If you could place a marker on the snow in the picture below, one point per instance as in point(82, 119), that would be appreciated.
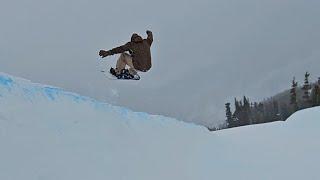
point(47, 133)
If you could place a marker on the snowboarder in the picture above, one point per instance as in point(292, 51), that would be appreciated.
point(138, 58)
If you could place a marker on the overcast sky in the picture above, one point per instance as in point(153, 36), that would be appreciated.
point(205, 52)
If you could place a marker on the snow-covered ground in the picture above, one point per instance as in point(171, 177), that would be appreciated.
point(49, 134)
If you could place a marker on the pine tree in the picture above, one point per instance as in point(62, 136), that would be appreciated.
point(316, 95)
point(229, 115)
point(236, 104)
point(246, 114)
point(293, 95)
point(306, 88)
point(246, 102)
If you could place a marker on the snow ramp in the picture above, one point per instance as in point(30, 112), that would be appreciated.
point(47, 133)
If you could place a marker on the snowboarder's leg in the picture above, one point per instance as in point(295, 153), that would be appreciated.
point(132, 70)
point(125, 59)
point(121, 63)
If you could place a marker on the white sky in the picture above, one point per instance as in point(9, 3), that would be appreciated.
point(205, 52)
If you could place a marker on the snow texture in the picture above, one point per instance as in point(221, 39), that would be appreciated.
point(47, 133)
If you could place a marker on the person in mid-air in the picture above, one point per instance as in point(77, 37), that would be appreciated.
point(138, 58)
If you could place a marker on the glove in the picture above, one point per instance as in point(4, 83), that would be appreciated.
point(104, 53)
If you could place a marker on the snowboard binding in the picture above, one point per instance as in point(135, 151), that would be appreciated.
point(124, 74)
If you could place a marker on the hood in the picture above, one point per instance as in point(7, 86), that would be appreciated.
point(136, 38)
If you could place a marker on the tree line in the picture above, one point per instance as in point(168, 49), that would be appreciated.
point(277, 108)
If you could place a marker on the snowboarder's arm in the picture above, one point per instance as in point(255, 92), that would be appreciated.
point(120, 49)
point(150, 37)
point(116, 50)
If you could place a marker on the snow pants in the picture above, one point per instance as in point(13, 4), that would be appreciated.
point(124, 60)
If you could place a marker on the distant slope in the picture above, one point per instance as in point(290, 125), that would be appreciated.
point(47, 133)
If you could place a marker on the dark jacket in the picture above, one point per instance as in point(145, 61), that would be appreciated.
point(139, 49)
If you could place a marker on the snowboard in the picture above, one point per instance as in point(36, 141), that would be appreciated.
point(124, 75)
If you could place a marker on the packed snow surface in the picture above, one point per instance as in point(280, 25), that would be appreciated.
point(47, 133)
